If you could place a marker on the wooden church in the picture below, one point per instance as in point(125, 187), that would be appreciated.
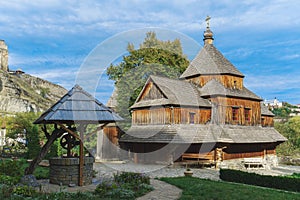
point(208, 116)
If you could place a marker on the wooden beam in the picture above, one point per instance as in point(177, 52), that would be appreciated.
point(68, 130)
point(55, 134)
point(81, 128)
point(95, 131)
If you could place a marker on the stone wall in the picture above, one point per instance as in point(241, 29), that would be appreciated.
point(65, 171)
point(268, 162)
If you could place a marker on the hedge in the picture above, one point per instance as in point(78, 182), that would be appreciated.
point(277, 182)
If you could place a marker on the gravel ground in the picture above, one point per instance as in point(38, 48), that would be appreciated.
point(106, 170)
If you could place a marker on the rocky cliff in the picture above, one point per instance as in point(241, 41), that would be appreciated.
point(24, 93)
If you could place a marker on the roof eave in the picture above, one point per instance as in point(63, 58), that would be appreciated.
point(208, 74)
point(223, 95)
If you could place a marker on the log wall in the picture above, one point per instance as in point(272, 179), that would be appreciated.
point(248, 150)
point(112, 133)
point(224, 111)
point(170, 115)
point(267, 121)
point(228, 81)
point(151, 91)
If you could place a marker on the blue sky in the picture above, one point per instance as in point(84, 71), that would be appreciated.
point(51, 39)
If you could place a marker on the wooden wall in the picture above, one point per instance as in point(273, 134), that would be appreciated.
point(267, 121)
point(112, 133)
point(223, 107)
point(182, 115)
point(228, 156)
point(151, 91)
point(234, 151)
point(170, 115)
point(229, 81)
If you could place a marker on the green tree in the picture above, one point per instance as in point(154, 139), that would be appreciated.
point(22, 125)
point(291, 130)
point(154, 57)
point(33, 141)
point(282, 112)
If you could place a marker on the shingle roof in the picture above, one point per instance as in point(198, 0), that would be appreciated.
point(78, 106)
point(177, 92)
point(200, 133)
point(210, 61)
point(214, 87)
point(265, 110)
point(112, 101)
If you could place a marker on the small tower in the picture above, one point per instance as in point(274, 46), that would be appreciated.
point(3, 56)
point(208, 34)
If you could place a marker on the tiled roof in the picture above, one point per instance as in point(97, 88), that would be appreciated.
point(177, 92)
point(265, 110)
point(210, 61)
point(214, 87)
point(200, 133)
point(78, 106)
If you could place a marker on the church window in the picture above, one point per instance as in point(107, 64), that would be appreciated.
point(247, 114)
point(235, 113)
point(192, 118)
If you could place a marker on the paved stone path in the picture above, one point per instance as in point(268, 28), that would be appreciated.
point(162, 191)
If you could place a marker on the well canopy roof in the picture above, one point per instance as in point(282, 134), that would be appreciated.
point(78, 106)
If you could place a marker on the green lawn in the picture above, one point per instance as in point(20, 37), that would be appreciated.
point(195, 188)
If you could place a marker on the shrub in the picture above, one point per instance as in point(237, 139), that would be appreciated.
point(33, 142)
point(8, 180)
point(6, 191)
point(126, 185)
point(25, 191)
point(41, 173)
point(10, 168)
point(295, 175)
point(132, 178)
point(121, 193)
point(105, 187)
point(278, 182)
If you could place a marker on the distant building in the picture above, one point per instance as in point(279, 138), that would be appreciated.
point(295, 111)
point(274, 103)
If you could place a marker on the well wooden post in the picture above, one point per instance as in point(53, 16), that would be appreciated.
point(51, 138)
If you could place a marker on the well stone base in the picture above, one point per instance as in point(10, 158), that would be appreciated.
point(65, 171)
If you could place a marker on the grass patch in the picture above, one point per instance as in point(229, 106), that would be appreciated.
point(195, 188)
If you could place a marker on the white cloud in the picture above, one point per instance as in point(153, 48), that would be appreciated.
point(56, 17)
point(69, 21)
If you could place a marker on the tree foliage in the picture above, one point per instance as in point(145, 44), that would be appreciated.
point(21, 126)
point(154, 57)
point(291, 130)
point(33, 139)
point(282, 112)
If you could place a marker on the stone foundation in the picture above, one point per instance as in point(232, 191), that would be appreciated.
point(65, 171)
point(268, 162)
